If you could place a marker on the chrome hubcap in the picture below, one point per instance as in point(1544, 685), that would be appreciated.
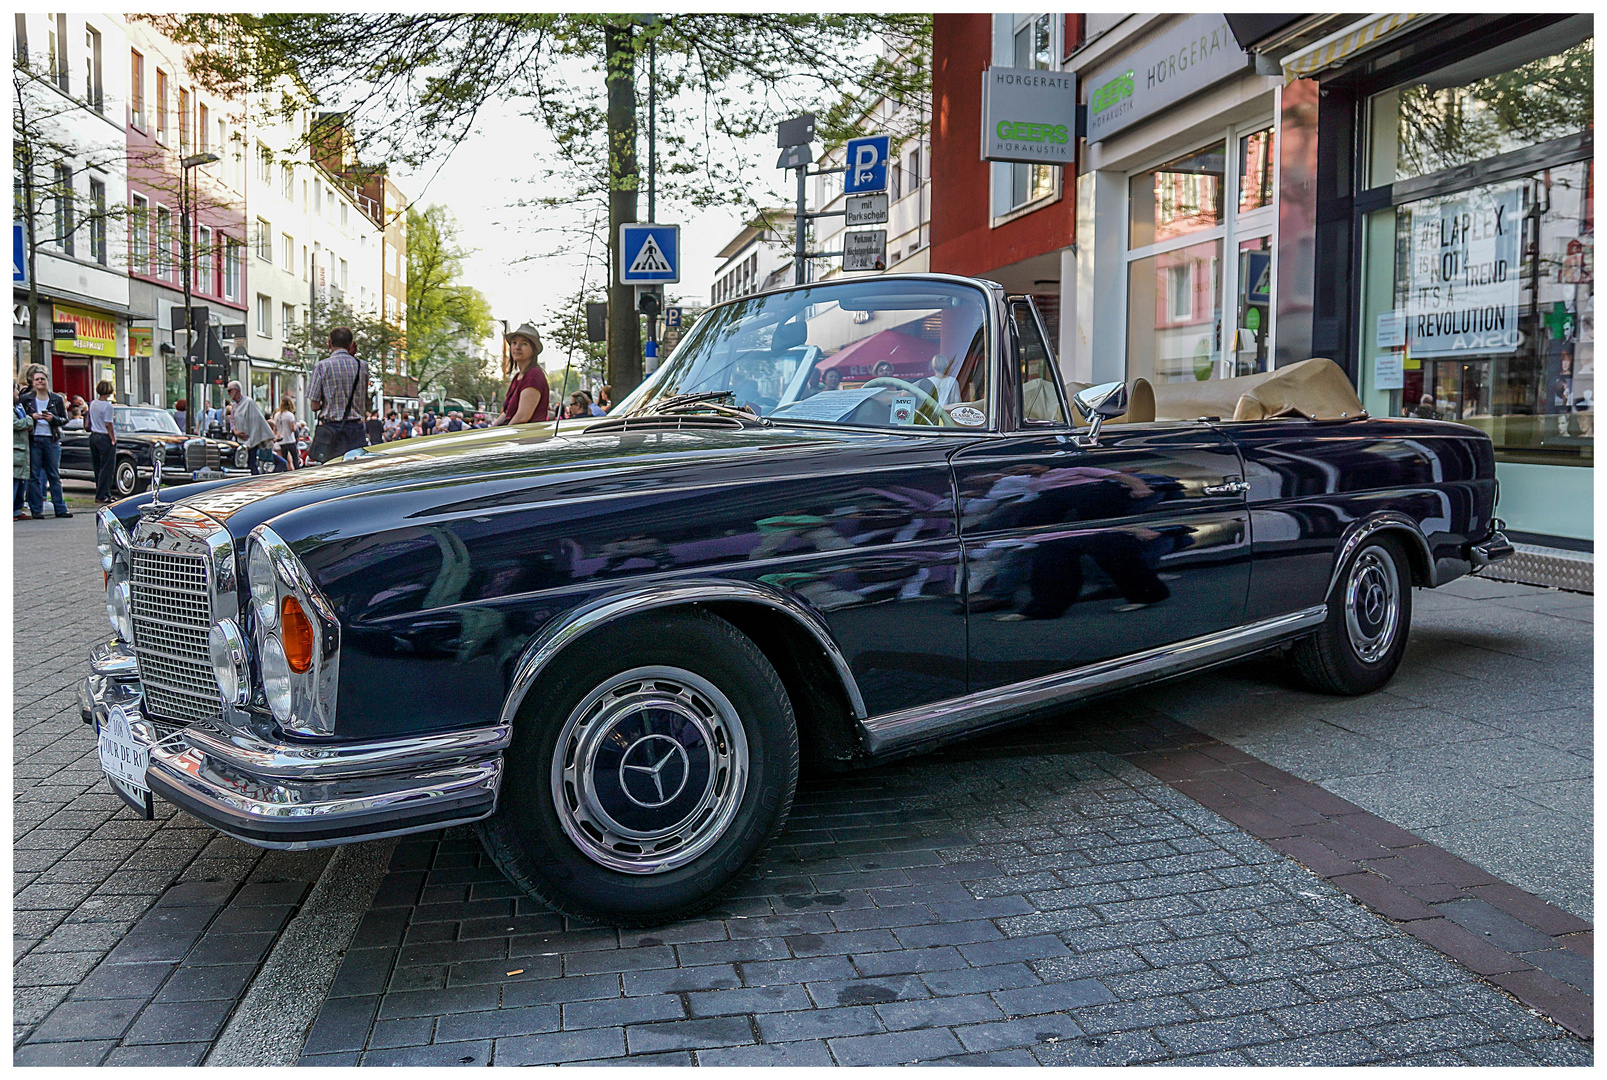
point(1372, 605)
point(649, 770)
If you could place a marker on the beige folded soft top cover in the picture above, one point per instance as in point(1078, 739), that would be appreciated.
point(1315, 389)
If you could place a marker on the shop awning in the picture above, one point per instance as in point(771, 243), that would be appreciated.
point(1338, 47)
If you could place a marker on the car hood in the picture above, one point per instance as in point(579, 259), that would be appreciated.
point(415, 481)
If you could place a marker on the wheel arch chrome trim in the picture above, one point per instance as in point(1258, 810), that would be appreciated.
point(1372, 525)
point(919, 727)
point(572, 625)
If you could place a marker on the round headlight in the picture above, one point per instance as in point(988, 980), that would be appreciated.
point(228, 649)
point(264, 589)
point(117, 602)
point(276, 679)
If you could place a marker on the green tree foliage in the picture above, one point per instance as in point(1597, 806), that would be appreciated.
point(379, 344)
point(447, 320)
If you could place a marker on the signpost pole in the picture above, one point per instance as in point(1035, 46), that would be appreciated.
point(799, 225)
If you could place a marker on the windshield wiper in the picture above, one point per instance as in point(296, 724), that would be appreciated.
point(710, 401)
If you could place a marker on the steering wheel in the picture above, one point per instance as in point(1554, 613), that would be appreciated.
point(944, 419)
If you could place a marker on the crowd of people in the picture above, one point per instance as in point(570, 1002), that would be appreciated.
point(279, 441)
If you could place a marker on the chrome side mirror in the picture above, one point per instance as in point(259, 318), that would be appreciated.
point(1096, 404)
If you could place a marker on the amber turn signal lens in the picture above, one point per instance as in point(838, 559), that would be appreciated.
point(296, 633)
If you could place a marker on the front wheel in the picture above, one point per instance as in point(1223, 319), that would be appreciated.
point(1360, 643)
point(647, 772)
point(125, 477)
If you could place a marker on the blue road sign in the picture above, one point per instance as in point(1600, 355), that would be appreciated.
point(1257, 284)
point(867, 165)
point(649, 254)
point(19, 258)
point(672, 318)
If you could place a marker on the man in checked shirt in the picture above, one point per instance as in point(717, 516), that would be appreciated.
point(338, 392)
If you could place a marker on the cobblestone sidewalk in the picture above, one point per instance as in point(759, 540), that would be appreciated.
point(133, 939)
point(1031, 899)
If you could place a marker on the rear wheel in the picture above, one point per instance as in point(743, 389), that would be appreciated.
point(1360, 643)
point(125, 477)
point(651, 769)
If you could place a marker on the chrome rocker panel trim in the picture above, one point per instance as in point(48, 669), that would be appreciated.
point(911, 729)
point(605, 609)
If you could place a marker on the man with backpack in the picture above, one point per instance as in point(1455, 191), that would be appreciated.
point(337, 391)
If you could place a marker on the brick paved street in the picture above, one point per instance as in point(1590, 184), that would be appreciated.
point(1031, 897)
point(133, 939)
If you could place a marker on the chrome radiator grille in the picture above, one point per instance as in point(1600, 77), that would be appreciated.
point(172, 613)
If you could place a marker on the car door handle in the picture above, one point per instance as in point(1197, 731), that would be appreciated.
point(1230, 485)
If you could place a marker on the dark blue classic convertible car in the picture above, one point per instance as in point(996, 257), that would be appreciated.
point(841, 522)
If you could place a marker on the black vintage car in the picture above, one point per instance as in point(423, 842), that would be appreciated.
point(142, 431)
point(611, 644)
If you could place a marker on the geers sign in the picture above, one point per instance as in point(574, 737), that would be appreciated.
point(1192, 55)
point(1029, 115)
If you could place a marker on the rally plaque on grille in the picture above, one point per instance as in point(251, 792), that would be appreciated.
point(172, 612)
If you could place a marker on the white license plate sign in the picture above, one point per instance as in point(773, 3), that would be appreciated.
point(121, 758)
point(208, 474)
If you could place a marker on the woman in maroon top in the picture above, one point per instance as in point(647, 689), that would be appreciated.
point(527, 394)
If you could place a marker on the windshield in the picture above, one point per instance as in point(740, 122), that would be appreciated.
point(147, 421)
point(883, 352)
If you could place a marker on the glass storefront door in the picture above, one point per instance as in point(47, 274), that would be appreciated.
point(1192, 313)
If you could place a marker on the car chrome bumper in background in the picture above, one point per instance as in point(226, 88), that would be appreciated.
point(297, 795)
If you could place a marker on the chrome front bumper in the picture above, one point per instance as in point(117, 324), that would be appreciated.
point(297, 795)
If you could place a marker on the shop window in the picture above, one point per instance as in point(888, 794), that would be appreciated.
point(1171, 316)
point(1520, 93)
point(1479, 307)
point(1180, 197)
point(1252, 336)
point(1256, 159)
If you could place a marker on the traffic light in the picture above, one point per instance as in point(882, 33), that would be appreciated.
point(650, 303)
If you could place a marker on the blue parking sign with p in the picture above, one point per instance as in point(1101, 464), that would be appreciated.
point(649, 254)
point(867, 165)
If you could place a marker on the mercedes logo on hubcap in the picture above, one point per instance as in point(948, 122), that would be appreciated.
point(654, 770)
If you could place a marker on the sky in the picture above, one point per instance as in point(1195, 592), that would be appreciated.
point(502, 161)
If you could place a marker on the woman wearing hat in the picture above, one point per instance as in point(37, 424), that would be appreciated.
point(527, 394)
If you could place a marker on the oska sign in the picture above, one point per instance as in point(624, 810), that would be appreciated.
point(1029, 115)
point(1195, 53)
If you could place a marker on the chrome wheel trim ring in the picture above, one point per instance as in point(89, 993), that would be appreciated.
point(1372, 604)
point(649, 770)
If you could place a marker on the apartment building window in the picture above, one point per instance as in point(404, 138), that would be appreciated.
point(136, 89)
point(202, 125)
point(306, 264)
point(264, 316)
point(94, 92)
point(161, 106)
point(390, 260)
point(287, 319)
point(139, 238)
point(184, 121)
point(64, 208)
point(164, 242)
point(287, 252)
point(318, 197)
point(1017, 185)
point(343, 285)
point(203, 261)
point(233, 267)
point(345, 222)
point(287, 183)
point(895, 182)
point(912, 170)
point(21, 55)
point(304, 196)
point(264, 240)
point(58, 54)
point(264, 164)
point(97, 221)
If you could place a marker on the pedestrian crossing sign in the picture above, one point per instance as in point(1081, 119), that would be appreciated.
point(649, 254)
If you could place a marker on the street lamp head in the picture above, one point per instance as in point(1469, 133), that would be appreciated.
point(198, 159)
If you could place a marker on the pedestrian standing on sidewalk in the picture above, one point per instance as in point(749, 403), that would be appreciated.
point(102, 441)
point(181, 413)
point(284, 432)
point(337, 390)
point(527, 393)
point(20, 426)
point(375, 427)
point(48, 412)
point(251, 428)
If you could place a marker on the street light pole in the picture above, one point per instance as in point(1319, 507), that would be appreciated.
point(185, 165)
